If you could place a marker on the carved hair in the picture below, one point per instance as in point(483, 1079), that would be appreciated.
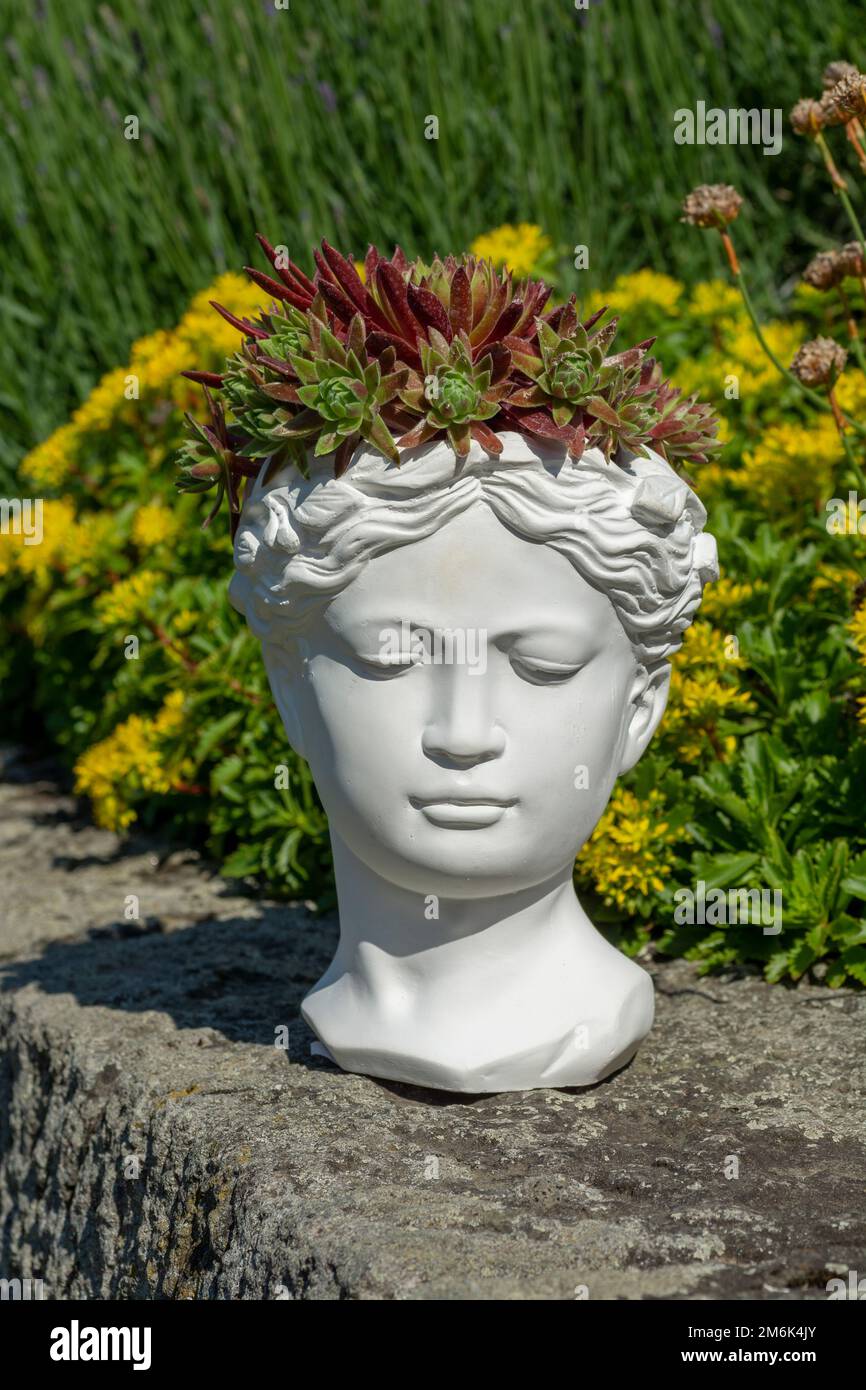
point(633, 531)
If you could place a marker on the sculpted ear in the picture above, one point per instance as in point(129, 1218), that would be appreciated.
point(284, 666)
point(647, 700)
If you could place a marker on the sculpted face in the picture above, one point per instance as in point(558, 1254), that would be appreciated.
point(478, 764)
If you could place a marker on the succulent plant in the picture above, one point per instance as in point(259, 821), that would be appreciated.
point(342, 394)
point(684, 428)
point(456, 394)
point(414, 351)
point(568, 370)
point(209, 459)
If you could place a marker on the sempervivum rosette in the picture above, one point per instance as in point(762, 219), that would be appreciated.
point(414, 351)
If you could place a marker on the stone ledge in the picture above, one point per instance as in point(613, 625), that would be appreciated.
point(149, 1050)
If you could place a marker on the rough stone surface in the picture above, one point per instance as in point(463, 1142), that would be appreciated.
point(155, 1142)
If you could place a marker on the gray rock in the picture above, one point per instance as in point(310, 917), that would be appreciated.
point(156, 1143)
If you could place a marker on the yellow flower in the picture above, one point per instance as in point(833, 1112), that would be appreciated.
point(857, 629)
point(93, 534)
point(126, 601)
point(49, 464)
point(703, 691)
point(704, 646)
point(158, 360)
point(793, 464)
point(698, 700)
point(740, 355)
point(726, 594)
point(630, 851)
point(645, 289)
point(201, 338)
point(362, 270)
point(184, 622)
point(755, 369)
point(834, 577)
point(58, 536)
point(106, 401)
point(153, 525)
point(519, 248)
point(130, 762)
point(714, 299)
point(202, 328)
point(710, 479)
point(850, 392)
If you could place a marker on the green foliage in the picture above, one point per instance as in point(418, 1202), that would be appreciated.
point(312, 120)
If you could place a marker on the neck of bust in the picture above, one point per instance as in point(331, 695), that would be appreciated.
point(469, 994)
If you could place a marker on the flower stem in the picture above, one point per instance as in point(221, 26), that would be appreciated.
point(854, 132)
point(853, 333)
point(830, 164)
point(811, 396)
point(759, 334)
point(854, 220)
point(846, 444)
point(841, 188)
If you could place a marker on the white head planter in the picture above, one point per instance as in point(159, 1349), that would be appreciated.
point(468, 658)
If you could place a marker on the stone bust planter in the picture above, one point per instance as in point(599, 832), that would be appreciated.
point(468, 658)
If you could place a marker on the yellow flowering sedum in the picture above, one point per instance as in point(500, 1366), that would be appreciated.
point(630, 852)
point(59, 528)
point(739, 354)
point(519, 248)
point(857, 629)
point(130, 763)
point(703, 692)
point(105, 402)
point(49, 464)
point(793, 465)
point(154, 524)
point(645, 289)
point(850, 392)
point(727, 595)
point(154, 368)
point(714, 299)
point(834, 577)
point(127, 600)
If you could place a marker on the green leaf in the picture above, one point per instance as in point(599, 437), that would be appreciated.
point(854, 961)
point(214, 734)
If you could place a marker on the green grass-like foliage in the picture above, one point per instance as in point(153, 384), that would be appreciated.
point(313, 119)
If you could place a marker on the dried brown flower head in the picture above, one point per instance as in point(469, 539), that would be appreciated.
point(849, 96)
point(835, 72)
point(712, 205)
point(831, 112)
point(819, 362)
point(851, 256)
point(807, 117)
point(826, 270)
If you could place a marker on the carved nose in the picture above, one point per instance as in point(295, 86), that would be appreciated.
point(461, 730)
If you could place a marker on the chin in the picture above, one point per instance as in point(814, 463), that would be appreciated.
point(462, 864)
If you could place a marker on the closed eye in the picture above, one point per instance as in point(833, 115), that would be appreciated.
point(540, 672)
point(386, 668)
